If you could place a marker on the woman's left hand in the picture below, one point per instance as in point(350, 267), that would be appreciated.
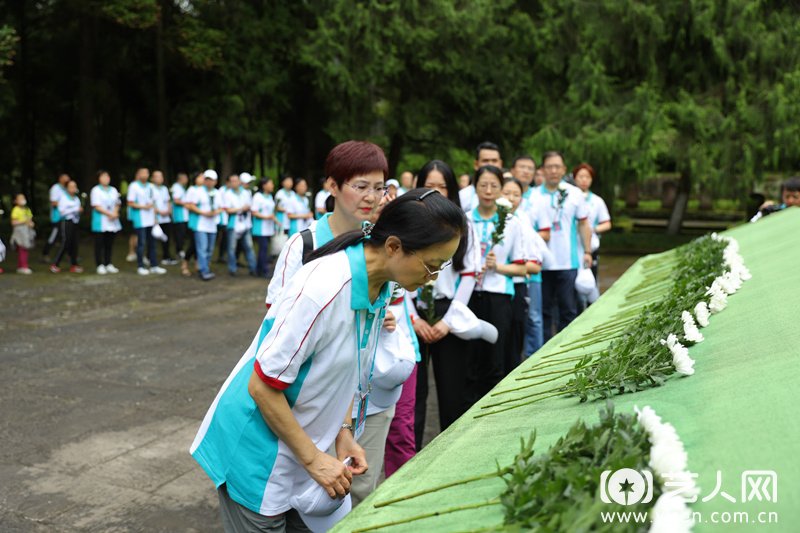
point(389, 321)
point(346, 446)
point(491, 261)
point(441, 330)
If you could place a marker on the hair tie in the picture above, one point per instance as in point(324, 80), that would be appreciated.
point(366, 229)
point(426, 193)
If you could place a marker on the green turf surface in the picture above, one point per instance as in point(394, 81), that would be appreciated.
point(735, 414)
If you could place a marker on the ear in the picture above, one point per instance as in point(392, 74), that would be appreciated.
point(333, 187)
point(393, 246)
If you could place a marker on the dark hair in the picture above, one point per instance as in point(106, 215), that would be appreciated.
point(791, 184)
point(583, 166)
point(263, 181)
point(296, 182)
point(486, 145)
point(452, 195)
point(100, 173)
point(355, 158)
point(420, 218)
point(491, 169)
point(515, 181)
point(330, 204)
point(524, 157)
point(552, 153)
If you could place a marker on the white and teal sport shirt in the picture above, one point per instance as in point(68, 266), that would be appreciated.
point(106, 198)
point(306, 347)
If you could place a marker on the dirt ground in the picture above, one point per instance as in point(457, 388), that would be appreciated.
point(104, 382)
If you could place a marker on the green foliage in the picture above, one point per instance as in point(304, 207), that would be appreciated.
point(8, 44)
point(560, 489)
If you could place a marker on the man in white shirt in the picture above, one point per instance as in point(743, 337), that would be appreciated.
point(406, 183)
point(201, 202)
point(237, 203)
point(564, 206)
point(321, 198)
point(141, 204)
point(163, 207)
point(487, 153)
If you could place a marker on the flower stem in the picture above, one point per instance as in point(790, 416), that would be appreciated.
point(529, 385)
point(508, 408)
point(487, 406)
point(466, 507)
point(437, 488)
point(545, 364)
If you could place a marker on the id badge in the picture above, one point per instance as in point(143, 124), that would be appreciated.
point(361, 419)
point(556, 225)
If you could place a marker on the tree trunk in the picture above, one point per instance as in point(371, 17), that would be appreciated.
point(632, 195)
point(161, 94)
point(681, 202)
point(395, 151)
point(88, 150)
point(227, 162)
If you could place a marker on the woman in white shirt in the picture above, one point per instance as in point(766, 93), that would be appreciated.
point(491, 298)
point(264, 440)
point(297, 209)
point(446, 351)
point(105, 201)
point(69, 211)
point(263, 211)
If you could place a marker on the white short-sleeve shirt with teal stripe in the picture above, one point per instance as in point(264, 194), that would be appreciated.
point(141, 194)
point(179, 213)
point(263, 204)
point(511, 249)
point(106, 198)
point(54, 195)
point(306, 347)
point(564, 208)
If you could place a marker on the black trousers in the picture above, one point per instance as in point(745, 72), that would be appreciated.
point(179, 230)
point(558, 292)
point(222, 239)
point(190, 248)
point(519, 316)
point(166, 227)
point(486, 362)
point(448, 357)
point(103, 245)
point(54, 235)
point(69, 243)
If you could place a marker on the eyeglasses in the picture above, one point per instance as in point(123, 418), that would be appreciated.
point(364, 189)
point(432, 273)
point(488, 186)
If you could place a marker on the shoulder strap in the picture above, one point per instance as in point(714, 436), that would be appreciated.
point(308, 244)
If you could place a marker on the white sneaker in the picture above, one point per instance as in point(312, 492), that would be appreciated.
point(111, 269)
point(24, 271)
point(130, 258)
point(142, 271)
point(102, 270)
point(158, 270)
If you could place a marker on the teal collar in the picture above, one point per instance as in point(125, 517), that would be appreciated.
point(324, 233)
point(359, 289)
point(545, 190)
point(476, 217)
point(527, 194)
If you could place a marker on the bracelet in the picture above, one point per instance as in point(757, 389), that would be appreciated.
point(347, 426)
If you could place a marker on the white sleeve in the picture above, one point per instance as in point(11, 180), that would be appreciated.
point(288, 263)
point(55, 193)
point(533, 242)
point(518, 246)
point(95, 198)
point(188, 198)
point(299, 326)
point(132, 194)
point(582, 210)
point(602, 211)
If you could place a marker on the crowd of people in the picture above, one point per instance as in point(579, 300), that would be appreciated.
point(392, 277)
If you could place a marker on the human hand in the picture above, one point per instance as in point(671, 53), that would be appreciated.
point(331, 474)
point(346, 446)
point(587, 260)
point(389, 321)
point(491, 261)
point(424, 330)
point(440, 330)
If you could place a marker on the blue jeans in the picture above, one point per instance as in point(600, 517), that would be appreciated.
point(533, 326)
point(145, 235)
point(558, 289)
point(204, 243)
point(247, 246)
point(262, 264)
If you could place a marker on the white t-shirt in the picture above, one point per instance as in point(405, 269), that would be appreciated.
point(310, 353)
point(263, 204)
point(161, 197)
point(179, 213)
point(532, 242)
point(281, 198)
point(218, 196)
point(291, 257)
point(191, 198)
point(106, 198)
point(69, 207)
point(468, 197)
point(319, 200)
point(201, 197)
point(237, 199)
point(448, 279)
point(511, 249)
point(55, 193)
point(564, 208)
point(141, 194)
point(297, 205)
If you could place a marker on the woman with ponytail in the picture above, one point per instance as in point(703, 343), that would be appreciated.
point(290, 397)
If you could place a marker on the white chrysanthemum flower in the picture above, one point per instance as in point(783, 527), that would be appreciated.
point(690, 331)
point(562, 186)
point(680, 355)
point(503, 202)
point(668, 456)
point(719, 300)
point(701, 313)
point(670, 514)
point(734, 280)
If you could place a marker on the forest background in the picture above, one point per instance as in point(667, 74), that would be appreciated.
point(708, 90)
